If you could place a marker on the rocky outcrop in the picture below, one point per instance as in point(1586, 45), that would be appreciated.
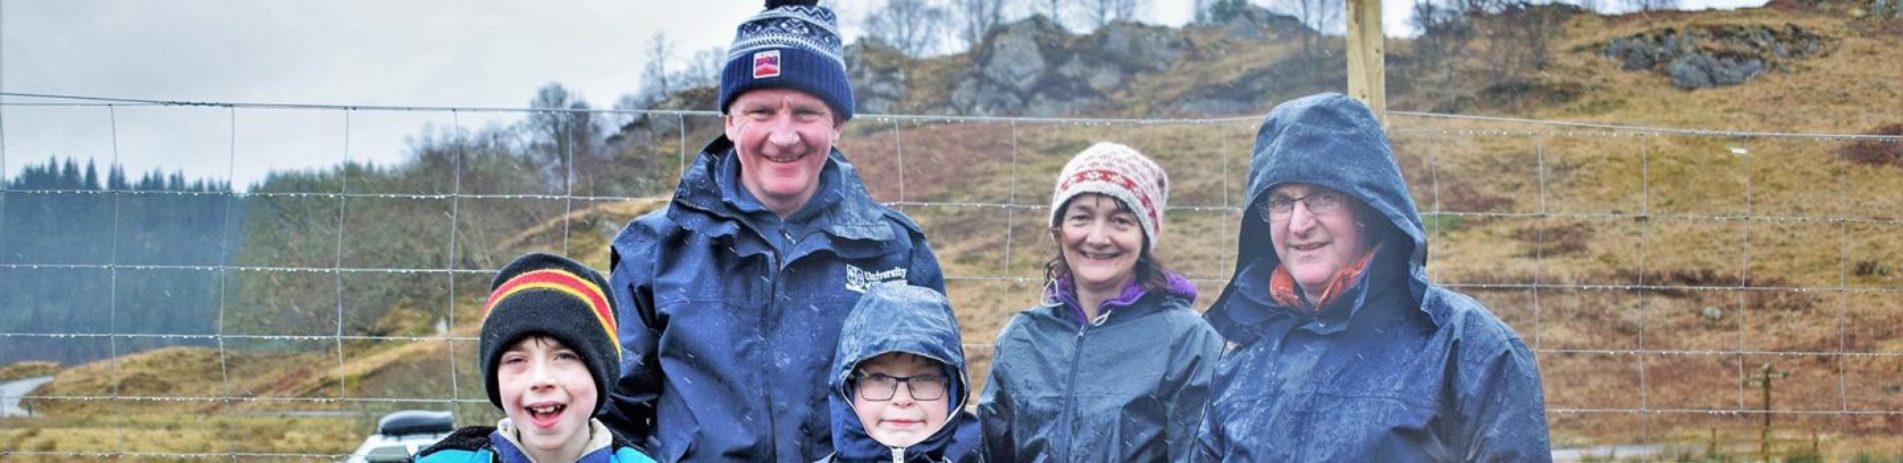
point(1249, 93)
point(1701, 70)
point(1035, 67)
point(1257, 23)
point(1719, 55)
point(877, 72)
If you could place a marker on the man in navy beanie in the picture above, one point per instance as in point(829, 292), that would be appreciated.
point(733, 295)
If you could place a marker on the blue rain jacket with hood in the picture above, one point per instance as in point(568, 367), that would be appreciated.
point(485, 444)
point(913, 320)
point(731, 315)
point(1397, 368)
point(1128, 386)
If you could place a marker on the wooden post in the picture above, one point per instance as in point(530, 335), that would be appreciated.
point(1367, 54)
point(1763, 380)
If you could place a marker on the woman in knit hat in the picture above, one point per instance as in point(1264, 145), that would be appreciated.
point(1113, 366)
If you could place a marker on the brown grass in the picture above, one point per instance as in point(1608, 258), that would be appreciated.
point(83, 438)
point(27, 369)
point(1784, 255)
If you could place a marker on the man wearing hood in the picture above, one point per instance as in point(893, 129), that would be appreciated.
point(734, 293)
point(1341, 349)
point(899, 381)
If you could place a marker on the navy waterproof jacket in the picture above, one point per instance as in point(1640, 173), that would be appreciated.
point(1130, 387)
point(487, 444)
point(918, 321)
point(1397, 369)
point(731, 316)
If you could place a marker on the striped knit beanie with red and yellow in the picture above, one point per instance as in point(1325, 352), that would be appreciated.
point(550, 295)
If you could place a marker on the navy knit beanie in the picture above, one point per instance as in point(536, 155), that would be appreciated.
point(549, 295)
point(793, 44)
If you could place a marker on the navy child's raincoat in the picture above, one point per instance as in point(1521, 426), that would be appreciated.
point(918, 321)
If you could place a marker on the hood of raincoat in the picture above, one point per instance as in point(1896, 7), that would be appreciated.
point(1333, 141)
point(898, 318)
point(1400, 370)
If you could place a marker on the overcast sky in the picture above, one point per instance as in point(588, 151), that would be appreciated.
point(469, 53)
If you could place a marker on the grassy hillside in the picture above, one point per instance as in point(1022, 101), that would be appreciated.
point(1656, 273)
point(1852, 89)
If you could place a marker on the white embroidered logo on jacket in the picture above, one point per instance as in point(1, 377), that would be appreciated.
point(858, 279)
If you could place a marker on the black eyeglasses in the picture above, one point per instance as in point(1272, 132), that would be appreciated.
point(1280, 208)
point(879, 387)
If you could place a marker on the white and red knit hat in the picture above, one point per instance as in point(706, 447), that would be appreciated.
point(1119, 172)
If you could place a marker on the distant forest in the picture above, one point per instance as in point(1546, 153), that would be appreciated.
point(87, 254)
point(60, 227)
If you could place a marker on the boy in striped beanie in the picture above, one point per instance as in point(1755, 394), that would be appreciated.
point(549, 355)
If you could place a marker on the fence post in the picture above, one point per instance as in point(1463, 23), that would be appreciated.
point(1367, 52)
point(1763, 380)
point(1711, 447)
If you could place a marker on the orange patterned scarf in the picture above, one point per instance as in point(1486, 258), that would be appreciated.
point(1283, 289)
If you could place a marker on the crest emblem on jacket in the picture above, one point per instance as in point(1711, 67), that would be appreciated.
point(858, 279)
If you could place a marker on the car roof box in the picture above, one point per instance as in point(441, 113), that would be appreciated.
point(416, 422)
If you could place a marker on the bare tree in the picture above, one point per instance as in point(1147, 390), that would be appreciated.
point(1320, 16)
point(1445, 33)
point(655, 75)
point(1519, 34)
point(703, 70)
point(1651, 5)
point(912, 27)
point(1102, 12)
point(562, 139)
point(1218, 11)
point(1052, 9)
point(976, 17)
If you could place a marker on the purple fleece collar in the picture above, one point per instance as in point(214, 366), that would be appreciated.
point(1064, 291)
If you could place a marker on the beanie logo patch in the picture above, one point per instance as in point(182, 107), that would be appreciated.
point(858, 279)
point(766, 64)
point(566, 283)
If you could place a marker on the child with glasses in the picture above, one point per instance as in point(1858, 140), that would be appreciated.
point(899, 381)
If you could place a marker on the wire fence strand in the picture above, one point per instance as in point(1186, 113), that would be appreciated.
point(1553, 265)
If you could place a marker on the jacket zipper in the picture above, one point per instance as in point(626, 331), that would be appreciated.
point(1070, 397)
point(766, 333)
point(777, 274)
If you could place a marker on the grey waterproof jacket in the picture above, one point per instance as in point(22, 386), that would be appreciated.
point(1397, 368)
point(1130, 387)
